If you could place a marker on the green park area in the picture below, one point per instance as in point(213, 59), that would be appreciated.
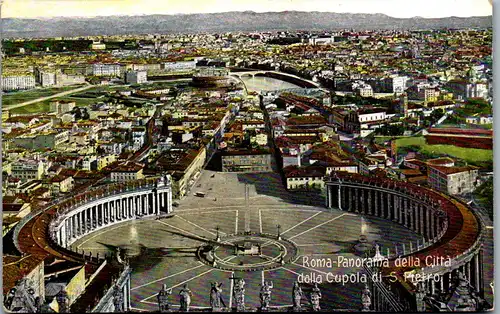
point(83, 98)
point(9, 99)
point(44, 106)
point(471, 155)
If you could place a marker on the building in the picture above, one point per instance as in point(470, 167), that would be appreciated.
point(470, 138)
point(89, 162)
point(482, 119)
point(138, 137)
point(27, 170)
point(179, 66)
point(97, 45)
point(463, 89)
point(128, 171)
point(44, 77)
point(63, 79)
point(304, 178)
point(101, 69)
point(364, 90)
point(48, 139)
point(30, 268)
point(21, 82)
point(246, 161)
point(61, 184)
point(394, 84)
point(136, 77)
point(62, 106)
point(105, 160)
point(453, 180)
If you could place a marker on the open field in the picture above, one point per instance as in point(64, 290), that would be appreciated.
point(44, 106)
point(22, 96)
point(471, 155)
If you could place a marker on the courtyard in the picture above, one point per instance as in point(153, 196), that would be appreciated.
point(165, 251)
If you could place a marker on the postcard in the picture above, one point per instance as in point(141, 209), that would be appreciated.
point(247, 156)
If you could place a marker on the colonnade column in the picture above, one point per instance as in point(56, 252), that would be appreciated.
point(72, 227)
point(161, 200)
point(412, 214)
point(356, 199)
point(68, 231)
point(432, 225)
point(467, 271)
point(350, 199)
point(77, 225)
point(169, 201)
point(362, 200)
point(394, 208)
point(428, 214)
point(82, 219)
point(85, 218)
point(329, 196)
point(117, 209)
point(141, 202)
point(477, 280)
point(419, 219)
point(370, 207)
point(153, 203)
point(388, 196)
point(404, 212)
point(99, 215)
point(129, 207)
point(158, 202)
point(340, 197)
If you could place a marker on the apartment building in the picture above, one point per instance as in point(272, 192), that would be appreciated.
point(27, 170)
point(453, 180)
point(21, 82)
point(101, 69)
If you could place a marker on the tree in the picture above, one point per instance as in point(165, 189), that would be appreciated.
point(436, 115)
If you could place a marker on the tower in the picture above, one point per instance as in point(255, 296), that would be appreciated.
point(157, 44)
point(403, 104)
point(333, 86)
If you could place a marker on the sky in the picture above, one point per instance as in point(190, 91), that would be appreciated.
point(395, 8)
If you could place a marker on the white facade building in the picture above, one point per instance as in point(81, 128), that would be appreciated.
point(100, 69)
point(179, 66)
point(10, 83)
point(136, 77)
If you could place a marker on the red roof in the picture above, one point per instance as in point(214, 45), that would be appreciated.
point(301, 172)
point(452, 170)
point(457, 131)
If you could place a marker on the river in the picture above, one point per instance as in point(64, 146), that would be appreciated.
point(262, 83)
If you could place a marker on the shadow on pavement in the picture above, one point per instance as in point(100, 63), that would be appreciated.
point(270, 184)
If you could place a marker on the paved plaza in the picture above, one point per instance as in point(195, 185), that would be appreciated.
point(165, 251)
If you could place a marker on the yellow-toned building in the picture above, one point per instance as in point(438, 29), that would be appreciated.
point(104, 161)
point(128, 171)
point(61, 184)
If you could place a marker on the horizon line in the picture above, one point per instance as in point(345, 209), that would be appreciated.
point(245, 11)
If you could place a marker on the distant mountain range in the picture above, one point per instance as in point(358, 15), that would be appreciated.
point(225, 22)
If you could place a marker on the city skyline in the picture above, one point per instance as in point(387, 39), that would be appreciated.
point(91, 8)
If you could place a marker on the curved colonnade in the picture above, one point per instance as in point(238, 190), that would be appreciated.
point(451, 235)
point(53, 228)
point(114, 205)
